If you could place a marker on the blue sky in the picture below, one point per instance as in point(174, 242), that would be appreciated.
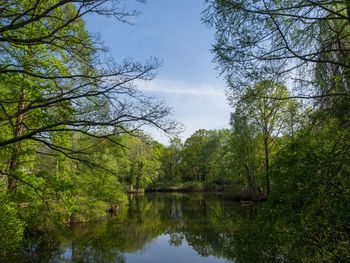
point(187, 81)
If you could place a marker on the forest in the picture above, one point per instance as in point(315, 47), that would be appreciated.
point(74, 141)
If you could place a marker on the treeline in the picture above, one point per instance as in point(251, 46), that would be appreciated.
point(203, 157)
point(244, 155)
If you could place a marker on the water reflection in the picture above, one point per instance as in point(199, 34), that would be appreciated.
point(154, 228)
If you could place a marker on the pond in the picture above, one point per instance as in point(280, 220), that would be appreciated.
point(155, 227)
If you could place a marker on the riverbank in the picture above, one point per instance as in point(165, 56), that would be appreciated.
point(233, 192)
point(185, 187)
point(91, 211)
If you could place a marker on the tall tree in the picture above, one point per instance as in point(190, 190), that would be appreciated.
point(171, 158)
point(268, 115)
point(269, 39)
point(245, 145)
point(265, 114)
point(195, 157)
point(56, 78)
point(144, 163)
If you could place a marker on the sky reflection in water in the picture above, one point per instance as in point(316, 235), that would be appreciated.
point(154, 228)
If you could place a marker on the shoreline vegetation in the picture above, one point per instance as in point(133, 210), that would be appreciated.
point(242, 196)
point(230, 191)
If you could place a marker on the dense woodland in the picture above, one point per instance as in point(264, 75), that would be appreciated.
point(72, 120)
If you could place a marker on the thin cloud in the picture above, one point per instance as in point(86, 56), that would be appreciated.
point(181, 88)
point(196, 106)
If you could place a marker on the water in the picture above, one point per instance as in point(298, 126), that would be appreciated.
point(154, 228)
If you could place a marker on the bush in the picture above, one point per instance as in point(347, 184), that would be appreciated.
point(11, 229)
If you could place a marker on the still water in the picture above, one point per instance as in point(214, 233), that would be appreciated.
point(159, 227)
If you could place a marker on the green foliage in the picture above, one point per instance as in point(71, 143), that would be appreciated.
point(306, 218)
point(258, 120)
point(11, 228)
point(63, 113)
point(306, 149)
point(204, 157)
point(144, 163)
point(69, 148)
point(170, 158)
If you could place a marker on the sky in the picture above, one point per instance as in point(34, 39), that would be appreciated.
point(187, 80)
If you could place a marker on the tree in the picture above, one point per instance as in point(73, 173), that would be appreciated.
point(245, 152)
point(195, 156)
point(171, 158)
point(268, 115)
point(269, 39)
point(202, 153)
point(220, 156)
point(57, 80)
point(265, 114)
point(144, 163)
point(306, 214)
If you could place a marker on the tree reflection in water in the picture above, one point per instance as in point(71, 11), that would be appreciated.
point(204, 222)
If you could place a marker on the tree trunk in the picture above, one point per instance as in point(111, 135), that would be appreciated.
point(13, 164)
point(249, 176)
point(267, 165)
